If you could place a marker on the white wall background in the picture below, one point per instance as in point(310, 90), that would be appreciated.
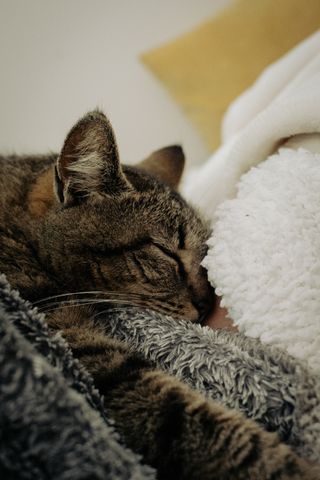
point(61, 58)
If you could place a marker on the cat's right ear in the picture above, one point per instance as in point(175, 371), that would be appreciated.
point(89, 162)
point(166, 165)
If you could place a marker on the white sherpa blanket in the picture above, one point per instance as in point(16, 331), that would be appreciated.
point(264, 255)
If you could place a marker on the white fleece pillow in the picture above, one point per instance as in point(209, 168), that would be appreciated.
point(264, 255)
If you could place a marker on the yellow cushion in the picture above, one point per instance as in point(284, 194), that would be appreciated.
point(206, 69)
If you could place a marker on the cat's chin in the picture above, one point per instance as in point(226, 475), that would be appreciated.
point(218, 319)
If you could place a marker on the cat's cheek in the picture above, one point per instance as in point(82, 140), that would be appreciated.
point(191, 314)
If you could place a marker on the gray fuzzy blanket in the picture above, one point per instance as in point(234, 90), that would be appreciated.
point(52, 424)
point(263, 382)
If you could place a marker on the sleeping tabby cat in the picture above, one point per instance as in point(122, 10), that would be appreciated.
point(79, 222)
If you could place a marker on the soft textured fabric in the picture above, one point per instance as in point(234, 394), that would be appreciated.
point(264, 257)
point(264, 252)
point(52, 424)
point(263, 382)
point(289, 108)
point(206, 69)
point(51, 418)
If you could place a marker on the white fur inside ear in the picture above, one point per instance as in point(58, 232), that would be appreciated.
point(264, 255)
point(87, 172)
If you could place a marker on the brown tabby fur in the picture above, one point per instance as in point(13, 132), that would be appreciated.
point(126, 231)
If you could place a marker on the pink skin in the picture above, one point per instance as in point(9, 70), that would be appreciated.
point(218, 319)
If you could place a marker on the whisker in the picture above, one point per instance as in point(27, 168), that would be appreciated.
point(72, 305)
point(92, 292)
point(100, 313)
point(78, 302)
point(74, 302)
point(99, 292)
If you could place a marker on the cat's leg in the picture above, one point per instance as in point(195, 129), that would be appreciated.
point(177, 430)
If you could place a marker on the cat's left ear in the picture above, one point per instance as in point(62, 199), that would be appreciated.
point(89, 162)
point(166, 165)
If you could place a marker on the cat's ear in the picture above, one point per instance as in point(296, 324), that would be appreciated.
point(165, 165)
point(89, 161)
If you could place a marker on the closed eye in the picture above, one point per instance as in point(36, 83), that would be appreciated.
point(157, 268)
point(175, 257)
point(144, 242)
point(130, 247)
point(182, 237)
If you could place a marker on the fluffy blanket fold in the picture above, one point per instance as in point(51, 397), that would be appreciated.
point(51, 418)
point(263, 382)
point(264, 258)
point(51, 421)
point(282, 103)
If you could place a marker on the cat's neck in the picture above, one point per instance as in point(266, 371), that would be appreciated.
point(27, 193)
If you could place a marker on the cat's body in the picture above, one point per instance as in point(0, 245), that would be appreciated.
point(107, 229)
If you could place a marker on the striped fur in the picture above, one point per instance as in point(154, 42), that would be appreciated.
point(128, 236)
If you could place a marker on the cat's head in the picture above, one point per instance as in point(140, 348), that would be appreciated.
point(125, 229)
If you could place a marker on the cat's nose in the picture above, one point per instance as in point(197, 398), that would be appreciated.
point(205, 305)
